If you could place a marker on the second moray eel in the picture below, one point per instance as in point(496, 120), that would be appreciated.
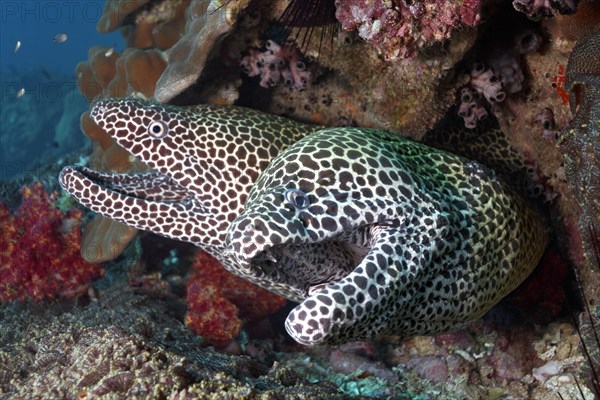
point(424, 241)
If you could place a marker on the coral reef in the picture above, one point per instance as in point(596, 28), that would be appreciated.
point(400, 28)
point(407, 96)
point(39, 250)
point(198, 51)
point(218, 301)
point(115, 12)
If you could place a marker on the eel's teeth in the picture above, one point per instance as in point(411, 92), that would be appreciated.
point(269, 256)
point(316, 288)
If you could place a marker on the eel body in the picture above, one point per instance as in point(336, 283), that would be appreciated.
point(375, 235)
point(204, 159)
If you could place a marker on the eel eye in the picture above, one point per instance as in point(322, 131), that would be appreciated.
point(158, 129)
point(297, 198)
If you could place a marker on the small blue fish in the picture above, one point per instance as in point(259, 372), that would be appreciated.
point(61, 37)
point(17, 46)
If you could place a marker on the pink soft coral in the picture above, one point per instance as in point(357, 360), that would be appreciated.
point(274, 63)
point(39, 250)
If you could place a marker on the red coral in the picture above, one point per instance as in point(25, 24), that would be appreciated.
point(39, 250)
point(217, 300)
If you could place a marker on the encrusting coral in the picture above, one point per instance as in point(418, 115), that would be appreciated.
point(39, 250)
point(218, 301)
point(400, 28)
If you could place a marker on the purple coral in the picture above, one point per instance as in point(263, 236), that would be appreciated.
point(274, 62)
point(399, 28)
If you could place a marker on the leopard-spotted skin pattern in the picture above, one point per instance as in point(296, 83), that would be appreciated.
point(205, 159)
point(424, 241)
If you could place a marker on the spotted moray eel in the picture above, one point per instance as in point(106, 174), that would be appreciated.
point(379, 235)
point(205, 159)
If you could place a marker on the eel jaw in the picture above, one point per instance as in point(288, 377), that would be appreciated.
point(150, 186)
point(137, 200)
point(298, 265)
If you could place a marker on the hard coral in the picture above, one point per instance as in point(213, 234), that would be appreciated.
point(275, 63)
point(157, 26)
point(39, 250)
point(205, 25)
point(219, 300)
point(399, 28)
point(115, 12)
point(111, 74)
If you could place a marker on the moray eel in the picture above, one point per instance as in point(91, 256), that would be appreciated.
point(205, 159)
point(380, 235)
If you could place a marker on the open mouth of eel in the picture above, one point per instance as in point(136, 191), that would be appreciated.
point(84, 183)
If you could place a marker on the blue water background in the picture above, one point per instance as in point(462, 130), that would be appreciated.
point(43, 124)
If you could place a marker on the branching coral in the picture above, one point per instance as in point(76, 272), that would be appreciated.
point(399, 28)
point(39, 250)
point(218, 301)
point(275, 63)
